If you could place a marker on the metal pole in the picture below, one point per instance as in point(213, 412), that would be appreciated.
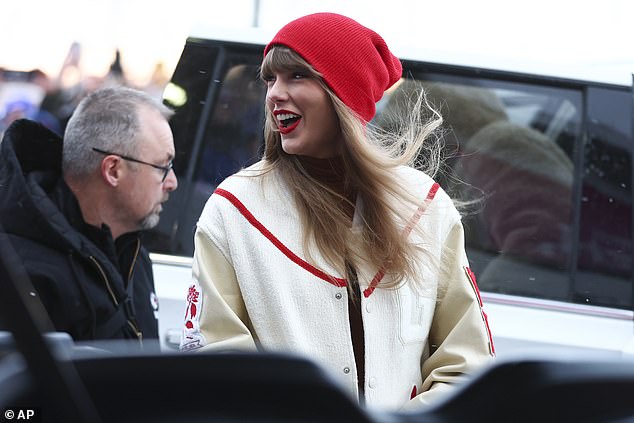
point(256, 13)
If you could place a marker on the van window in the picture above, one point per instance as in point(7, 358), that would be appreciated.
point(605, 234)
point(217, 130)
point(187, 93)
point(510, 150)
point(233, 133)
point(548, 213)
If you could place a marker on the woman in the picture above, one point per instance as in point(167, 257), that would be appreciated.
point(330, 246)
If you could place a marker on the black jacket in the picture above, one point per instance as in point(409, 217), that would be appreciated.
point(92, 286)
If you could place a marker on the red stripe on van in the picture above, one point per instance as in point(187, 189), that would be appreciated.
point(280, 246)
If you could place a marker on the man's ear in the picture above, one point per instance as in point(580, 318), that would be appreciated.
point(111, 170)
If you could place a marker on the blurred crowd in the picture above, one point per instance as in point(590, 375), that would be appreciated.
point(51, 99)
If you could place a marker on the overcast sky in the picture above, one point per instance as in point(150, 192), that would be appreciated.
point(38, 33)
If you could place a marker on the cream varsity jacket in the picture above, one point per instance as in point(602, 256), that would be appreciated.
point(253, 288)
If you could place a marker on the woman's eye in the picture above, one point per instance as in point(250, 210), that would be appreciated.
point(299, 75)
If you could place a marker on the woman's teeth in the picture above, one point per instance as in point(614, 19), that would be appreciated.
point(286, 119)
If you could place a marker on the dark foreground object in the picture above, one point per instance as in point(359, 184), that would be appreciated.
point(239, 387)
point(50, 379)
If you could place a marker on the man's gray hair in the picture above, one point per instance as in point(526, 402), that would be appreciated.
point(106, 119)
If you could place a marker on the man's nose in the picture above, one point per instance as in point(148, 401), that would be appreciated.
point(171, 182)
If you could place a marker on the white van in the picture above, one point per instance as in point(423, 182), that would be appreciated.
point(547, 154)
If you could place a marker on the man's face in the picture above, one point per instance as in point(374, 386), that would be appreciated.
point(144, 191)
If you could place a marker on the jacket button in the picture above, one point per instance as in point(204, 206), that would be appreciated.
point(372, 382)
point(338, 295)
point(368, 308)
point(346, 370)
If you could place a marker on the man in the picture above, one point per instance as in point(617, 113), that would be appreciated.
point(72, 211)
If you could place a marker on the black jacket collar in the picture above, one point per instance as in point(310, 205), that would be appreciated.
point(36, 203)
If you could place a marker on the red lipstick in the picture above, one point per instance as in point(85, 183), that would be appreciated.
point(286, 120)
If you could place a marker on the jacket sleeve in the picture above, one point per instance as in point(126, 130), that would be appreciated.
point(216, 317)
point(459, 339)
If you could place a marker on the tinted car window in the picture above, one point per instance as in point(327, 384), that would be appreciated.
point(510, 155)
point(548, 210)
point(605, 235)
point(219, 104)
point(233, 134)
point(187, 94)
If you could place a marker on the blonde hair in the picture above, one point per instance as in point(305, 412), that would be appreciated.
point(370, 157)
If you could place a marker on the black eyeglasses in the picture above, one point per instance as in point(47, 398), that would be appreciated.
point(165, 169)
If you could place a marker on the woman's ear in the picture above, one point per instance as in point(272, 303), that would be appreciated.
point(111, 170)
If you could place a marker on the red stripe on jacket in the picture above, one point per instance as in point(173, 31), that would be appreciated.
point(410, 225)
point(472, 279)
point(280, 246)
point(309, 267)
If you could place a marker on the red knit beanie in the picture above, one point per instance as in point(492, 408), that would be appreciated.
point(354, 61)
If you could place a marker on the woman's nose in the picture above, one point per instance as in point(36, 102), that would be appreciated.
point(277, 91)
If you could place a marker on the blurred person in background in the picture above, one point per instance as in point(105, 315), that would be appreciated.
point(74, 208)
point(43, 115)
point(115, 76)
point(58, 96)
point(69, 87)
point(66, 89)
point(333, 245)
point(21, 94)
point(158, 81)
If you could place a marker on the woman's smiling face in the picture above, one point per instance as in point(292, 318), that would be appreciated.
point(304, 114)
